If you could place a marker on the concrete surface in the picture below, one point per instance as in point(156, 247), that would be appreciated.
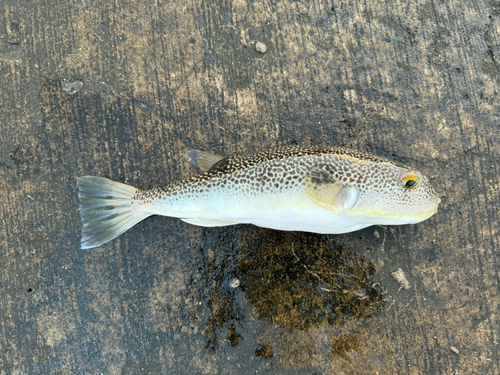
point(122, 89)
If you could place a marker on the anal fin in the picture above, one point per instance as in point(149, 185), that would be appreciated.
point(208, 222)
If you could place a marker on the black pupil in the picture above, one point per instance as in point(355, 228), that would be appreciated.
point(410, 183)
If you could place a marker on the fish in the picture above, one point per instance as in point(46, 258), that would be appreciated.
point(327, 190)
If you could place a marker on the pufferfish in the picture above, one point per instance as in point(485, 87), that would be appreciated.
point(324, 190)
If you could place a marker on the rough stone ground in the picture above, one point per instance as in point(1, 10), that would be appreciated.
point(122, 89)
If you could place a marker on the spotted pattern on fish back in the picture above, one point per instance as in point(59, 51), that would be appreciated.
point(274, 171)
point(233, 163)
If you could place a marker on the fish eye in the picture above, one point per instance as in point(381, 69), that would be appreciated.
point(409, 180)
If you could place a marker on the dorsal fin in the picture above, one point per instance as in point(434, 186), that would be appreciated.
point(330, 194)
point(202, 159)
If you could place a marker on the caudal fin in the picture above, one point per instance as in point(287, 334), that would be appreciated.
point(106, 210)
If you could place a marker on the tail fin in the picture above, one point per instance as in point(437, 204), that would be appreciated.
point(106, 209)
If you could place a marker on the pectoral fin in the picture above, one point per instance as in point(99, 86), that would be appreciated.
point(208, 222)
point(329, 193)
point(202, 159)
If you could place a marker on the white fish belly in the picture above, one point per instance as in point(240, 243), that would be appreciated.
point(315, 220)
point(318, 220)
point(288, 212)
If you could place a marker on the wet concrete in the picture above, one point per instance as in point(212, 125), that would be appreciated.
point(123, 89)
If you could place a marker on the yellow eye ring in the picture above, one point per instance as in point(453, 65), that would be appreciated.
point(409, 180)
